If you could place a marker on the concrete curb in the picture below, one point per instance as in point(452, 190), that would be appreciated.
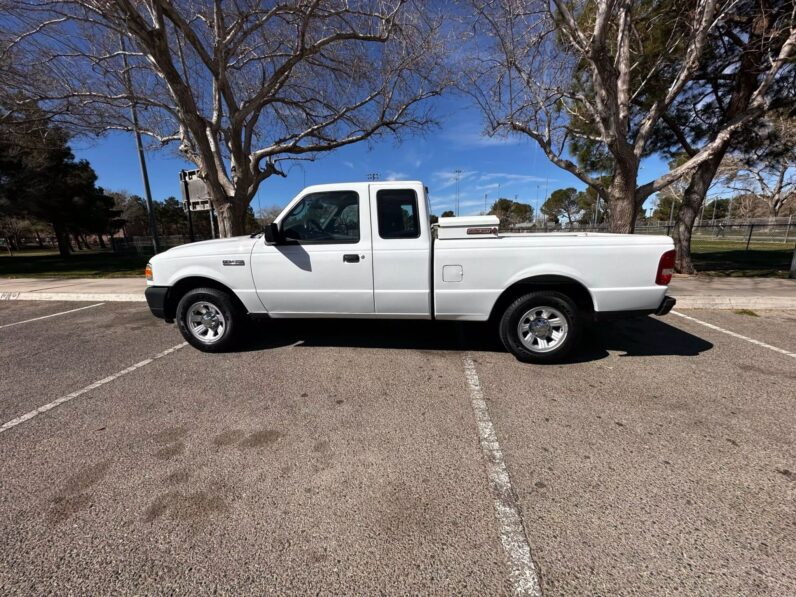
point(72, 296)
point(735, 302)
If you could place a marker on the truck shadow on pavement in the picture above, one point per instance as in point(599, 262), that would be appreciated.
point(644, 336)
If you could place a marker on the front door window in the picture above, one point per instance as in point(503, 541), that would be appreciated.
point(329, 218)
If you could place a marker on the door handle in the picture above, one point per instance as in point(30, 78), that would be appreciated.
point(351, 258)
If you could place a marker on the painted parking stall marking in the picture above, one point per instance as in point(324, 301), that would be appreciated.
point(63, 399)
point(522, 570)
point(735, 335)
point(8, 325)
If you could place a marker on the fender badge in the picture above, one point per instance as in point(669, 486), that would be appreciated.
point(233, 262)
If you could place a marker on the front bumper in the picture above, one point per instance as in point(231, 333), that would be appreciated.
point(156, 299)
point(666, 305)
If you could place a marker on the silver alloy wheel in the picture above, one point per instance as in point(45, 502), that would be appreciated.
point(206, 322)
point(542, 329)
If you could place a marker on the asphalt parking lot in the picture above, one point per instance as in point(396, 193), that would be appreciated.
point(344, 457)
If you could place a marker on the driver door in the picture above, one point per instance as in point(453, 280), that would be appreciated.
point(322, 265)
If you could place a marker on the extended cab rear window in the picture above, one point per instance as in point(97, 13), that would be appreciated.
point(397, 213)
point(330, 218)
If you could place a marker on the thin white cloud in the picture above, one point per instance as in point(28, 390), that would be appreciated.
point(471, 203)
point(440, 203)
point(505, 177)
point(467, 137)
point(348, 164)
point(393, 175)
point(447, 178)
point(505, 184)
point(442, 200)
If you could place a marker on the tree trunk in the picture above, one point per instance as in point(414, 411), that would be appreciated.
point(692, 202)
point(622, 203)
point(232, 218)
point(77, 241)
point(38, 239)
point(62, 238)
point(101, 242)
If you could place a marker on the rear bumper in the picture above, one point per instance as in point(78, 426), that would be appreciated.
point(666, 305)
point(156, 299)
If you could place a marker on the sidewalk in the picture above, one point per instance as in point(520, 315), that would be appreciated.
point(73, 289)
point(702, 292)
point(691, 292)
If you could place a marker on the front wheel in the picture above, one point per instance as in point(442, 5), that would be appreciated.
point(540, 327)
point(209, 319)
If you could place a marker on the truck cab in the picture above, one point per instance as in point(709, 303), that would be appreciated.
point(359, 250)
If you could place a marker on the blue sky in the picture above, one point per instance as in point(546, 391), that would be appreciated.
point(496, 166)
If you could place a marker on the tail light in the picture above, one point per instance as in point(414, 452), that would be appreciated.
point(148, 271)
point(665, 268)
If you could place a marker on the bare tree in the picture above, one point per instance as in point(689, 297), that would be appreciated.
point(602, 73)
point(239, 85)
point(266, 215)
point(770, 173)
point(768, 184)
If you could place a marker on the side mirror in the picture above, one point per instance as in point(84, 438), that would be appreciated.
point(271, 234)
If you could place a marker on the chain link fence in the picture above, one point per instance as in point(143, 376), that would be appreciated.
point(142, 245)
point(755, 230)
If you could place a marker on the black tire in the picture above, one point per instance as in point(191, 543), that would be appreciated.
point(531, 350)
point(231, 319)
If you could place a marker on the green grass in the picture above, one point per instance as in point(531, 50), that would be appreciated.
point(82, 264)
point(728, 258)
point(747, 312)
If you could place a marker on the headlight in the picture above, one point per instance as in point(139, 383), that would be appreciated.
point(148, 271)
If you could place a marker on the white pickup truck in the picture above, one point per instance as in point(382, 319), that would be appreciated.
point(368, 250)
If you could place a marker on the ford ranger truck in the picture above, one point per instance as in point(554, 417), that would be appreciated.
point(368, 250)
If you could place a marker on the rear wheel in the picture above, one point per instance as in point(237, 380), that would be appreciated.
point(540, 327)
point(209, 319)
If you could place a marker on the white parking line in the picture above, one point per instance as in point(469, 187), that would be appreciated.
point(8, 325)
point(734, 335)
point(522, 570)
point(88, 388)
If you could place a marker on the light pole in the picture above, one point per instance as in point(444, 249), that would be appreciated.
point(458, 174)
point(792, 272)
point(596, 210)
point(303, 172)
point(187, 195)
point(153, 226)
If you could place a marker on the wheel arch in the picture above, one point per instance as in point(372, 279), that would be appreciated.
point(182, 286)
point(574, 289)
